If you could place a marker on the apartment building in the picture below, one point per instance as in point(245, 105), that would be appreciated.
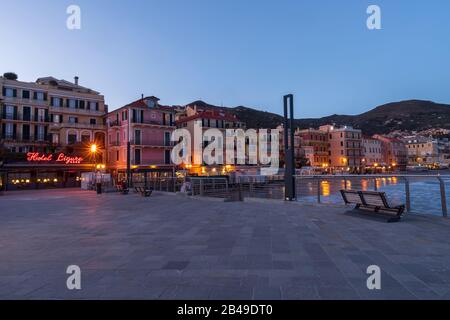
point(44, 122)
point(422, 150)
point(372, 150)
point(394, 152)
point(206, 117)
point(318, 141)
point(345, 147)
point(147, 126)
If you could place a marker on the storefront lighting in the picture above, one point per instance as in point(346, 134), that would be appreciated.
point(55, 180)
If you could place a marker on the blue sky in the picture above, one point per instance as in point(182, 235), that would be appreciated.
point(236, 52)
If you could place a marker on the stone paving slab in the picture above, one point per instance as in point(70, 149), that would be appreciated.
point(174, 247)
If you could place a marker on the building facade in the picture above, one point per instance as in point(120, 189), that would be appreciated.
point(318, 141)
point(45, 122)
point(422, 151)
point(394, 152)
point(147, 126)
point(372, 150)
point(345, 147)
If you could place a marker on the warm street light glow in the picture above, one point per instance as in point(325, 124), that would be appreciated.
point(93, 148)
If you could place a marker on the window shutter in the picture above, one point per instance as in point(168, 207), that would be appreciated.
point(46, 115)
point(4, 91)
point(76, 120)
point(35, 132)
point(3, 130)
point(61, 119)
point(4, 112)
point(88, 105)
point(142, 116)
point(14, 93)
point(36, 114)
point(51, 117)
point(35, 95)
point(45, 96)
point(15, 113)
point(134, 115)
point(96, 106)
point(52, 102)
point(14, 131)
point(46, 137)
point(77, 104)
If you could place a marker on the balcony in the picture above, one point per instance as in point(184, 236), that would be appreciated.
point(115, 123)
point(31, 139)
point(57, 126)
point(151, 123)
point(86, 112)
point(152, 143)
point(20, 100)
point(22, 118)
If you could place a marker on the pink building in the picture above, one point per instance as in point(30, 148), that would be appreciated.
point(394, 151)
point(148, 126)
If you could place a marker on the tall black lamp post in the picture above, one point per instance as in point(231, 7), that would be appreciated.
point(289, 172)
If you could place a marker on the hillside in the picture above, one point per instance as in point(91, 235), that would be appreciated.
point(404, 115)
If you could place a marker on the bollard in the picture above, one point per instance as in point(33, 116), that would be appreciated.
point(408, 195)
point(443, 199)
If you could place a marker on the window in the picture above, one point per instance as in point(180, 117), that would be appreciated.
point(56, 102)
point(167, 138)
point(41, 115)
point(9, 130)
point(85, 138)
point(9, 113)
point(137, 136)
point(26, 132)
point(73, 120)
point(71, 138)
point(27, 113)
point(25, 94)
point(40, 133)
point(167, 156)
point(137, 156)
point(10, 93)
point(57, 118)
point(40, 96)
point(117, 155)
point(93, 121)
point(124, 116)
point(117, 138)
point(93, 105)
point(71, 103)
point(55, 138)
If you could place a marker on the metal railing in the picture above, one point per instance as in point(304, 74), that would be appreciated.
point(399, 186)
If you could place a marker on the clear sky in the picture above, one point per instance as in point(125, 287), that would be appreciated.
point(236, 52)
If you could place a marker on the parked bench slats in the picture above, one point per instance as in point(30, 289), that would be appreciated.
point(375, 201)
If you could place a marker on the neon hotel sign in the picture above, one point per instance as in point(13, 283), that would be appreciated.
point(60, 158)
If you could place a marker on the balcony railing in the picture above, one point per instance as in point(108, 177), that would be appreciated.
point(152, 122)
point(20, 138)
point(77, 111)
point(151, 143)
point(77, 125)
point(21, 117)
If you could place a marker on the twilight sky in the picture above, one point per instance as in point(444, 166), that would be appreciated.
point(236, 52)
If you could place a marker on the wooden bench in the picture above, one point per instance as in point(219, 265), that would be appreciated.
point(143, 191)
point(121, 189)
point(373, 201)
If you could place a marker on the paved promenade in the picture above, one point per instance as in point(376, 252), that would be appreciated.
point(172, 247)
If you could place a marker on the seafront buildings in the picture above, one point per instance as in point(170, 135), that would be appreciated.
point(47, 127)
point(146, 126)
point(53, 131)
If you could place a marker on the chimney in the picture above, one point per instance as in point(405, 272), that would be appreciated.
point(76, 80)
point(142, 96)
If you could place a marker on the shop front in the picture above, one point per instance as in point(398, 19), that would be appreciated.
point(43, 171)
